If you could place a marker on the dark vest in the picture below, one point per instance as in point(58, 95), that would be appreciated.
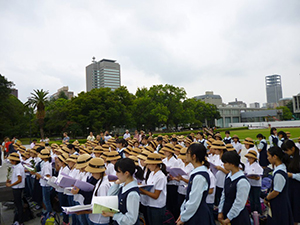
point(280, 206)
point(122, 198)
point(274, 140)
point(227, 141)
point(202, 213)
point(230, 189)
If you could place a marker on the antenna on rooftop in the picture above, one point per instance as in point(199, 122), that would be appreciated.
point(93, 59)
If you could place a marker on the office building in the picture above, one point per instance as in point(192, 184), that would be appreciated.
point(296, 103)
point(237, 103)
point(105, 73)
point(210, 98)
point(65, 90)
point(273, 88)
point(254, 105)
point(284, 101)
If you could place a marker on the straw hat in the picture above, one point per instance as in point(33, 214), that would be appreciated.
point(235, 136)
point(33, 151)
point(54, 145)
point(188, 141)
point(135, 159)
point(149, 148)
point(153, 158)
point(229, 147)
point(63, 157)
point(113, 155)
point(105, 147)
point(98, 149)
point(104, 155)
point(135, 151)
point(84, 150)
point(178, 147)
point(218, 145)
point(182, 154)
point(298, 138)
point(251, 154)
point(72, 158)
point(65, 149)
point(130, 142)
point(168, 148)
point(14, 156)
point(248, 141)
point(22, 148)
point(95, 165)
point(128, 149)
point(25, 154)
point(44, 154)
point(154, 144)
point(113, 146)
point(143, 155)
point(82, 161)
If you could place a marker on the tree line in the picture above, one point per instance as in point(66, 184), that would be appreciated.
point(160, 106)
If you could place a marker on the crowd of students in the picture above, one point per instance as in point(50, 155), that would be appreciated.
point(213, 183)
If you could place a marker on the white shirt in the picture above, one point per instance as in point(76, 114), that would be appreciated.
point(81, 176)
point(159, 180)
point(279, 180)
point(242, 193)
point(126, 135)
point(298, 145)
point(66, 171)
point(132, 204)
point(252, 169)
point(18, 170)
point(110, 169)
point(237, 146)
point(46, 169)
point(211, 197)
point(199, 185)
point(182, 185)
point(171, 163)
point(101, 191)
point(90, 138)
point(74, 173)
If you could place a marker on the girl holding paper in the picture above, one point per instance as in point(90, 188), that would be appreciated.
point(156, 201)
point(278, 198)
point(126, 188)
point(194, 208)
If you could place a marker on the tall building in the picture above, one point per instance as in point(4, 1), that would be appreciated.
point(105, 73)
point(255, 105)
point(273, 88)
point(210, 98)
point(237, 103)
point(296, 103)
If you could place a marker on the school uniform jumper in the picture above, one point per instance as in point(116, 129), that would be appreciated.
point(294, 194)
point(280, 206)
point(263, 157)
point(234, 198)
point(194, 209)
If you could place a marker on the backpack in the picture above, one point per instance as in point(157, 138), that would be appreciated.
point(50, 219)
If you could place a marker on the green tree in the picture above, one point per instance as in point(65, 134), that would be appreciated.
point(38, 101)
point(63, 95)
point(286, 113)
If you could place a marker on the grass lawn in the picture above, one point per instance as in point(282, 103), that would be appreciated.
point(295, 133)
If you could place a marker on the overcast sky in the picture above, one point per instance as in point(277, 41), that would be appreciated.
point(224, 46)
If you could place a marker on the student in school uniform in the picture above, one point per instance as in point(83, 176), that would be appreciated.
point(97, 168)
point(187, 167)
point(17, 183)
point(219, 148)
point(237, 144)
point(194, 209)
point(202, 139)
point(273, 139)
point(232, 208)
point(122, 144)
point(172, 195)
point(298, 144)
point(210, 199)
point(282, 137)
point(254, 173)
point(177, 149)
point(262, 149)
point(126, 188)
point(278, 198)
point(249, 145)
point(294, 178)
point(111, 159)
point(157, 196)
point(63, 199)
point(227, 139)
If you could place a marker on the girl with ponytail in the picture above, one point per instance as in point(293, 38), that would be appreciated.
point(194, 208)
point(278, 198)
point(232, 208)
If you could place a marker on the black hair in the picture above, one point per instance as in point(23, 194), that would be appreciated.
point(275, 150)
point(283, 134)
point(190, 137)
point(260, 136)
point(174, 140)
point(201, 134)
point(227, 132)
point(200, 152)
point(102, 142)
point(70, 146)
point(123, 142)
point(272, 130)
point(232, 157)
point(127, 164)
point(34, 140)
point(46, 144)
point(39, 149)
point(159, 138)
point(294, 165)
point(163, 168)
